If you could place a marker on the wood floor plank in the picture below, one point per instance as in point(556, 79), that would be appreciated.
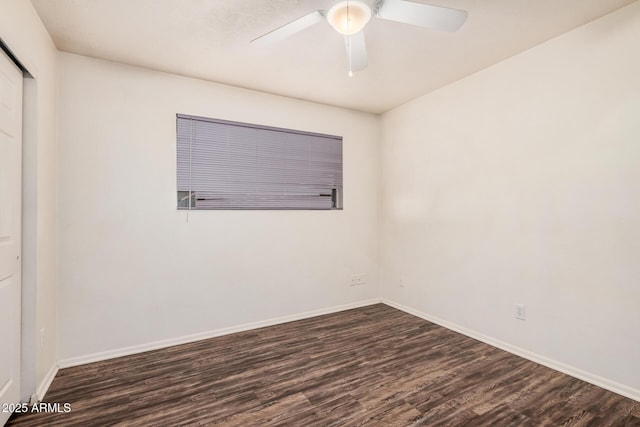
point(373, 366)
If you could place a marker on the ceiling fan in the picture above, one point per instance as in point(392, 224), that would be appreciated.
point(349, 17)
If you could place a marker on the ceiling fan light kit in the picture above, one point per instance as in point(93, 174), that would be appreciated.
point(349, 17)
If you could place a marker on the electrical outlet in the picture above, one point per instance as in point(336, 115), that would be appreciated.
point(358, 279)
point(520, 312)
point(354, 280)
point(402, 284)
point(42, 334)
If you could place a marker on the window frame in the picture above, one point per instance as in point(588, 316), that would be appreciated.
point(189, 197)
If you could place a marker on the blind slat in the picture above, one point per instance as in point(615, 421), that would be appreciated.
point(228, 165)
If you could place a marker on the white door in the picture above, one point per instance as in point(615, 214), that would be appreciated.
point(10, 231)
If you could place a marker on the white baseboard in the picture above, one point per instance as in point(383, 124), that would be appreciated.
point(46, 383)
point(594, 379)
point(127, 351)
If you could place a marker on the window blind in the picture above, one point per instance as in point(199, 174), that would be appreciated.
point(231, 165)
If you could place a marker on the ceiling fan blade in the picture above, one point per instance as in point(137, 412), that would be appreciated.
point(289, 29)
point(423, 15)
point(356, 51)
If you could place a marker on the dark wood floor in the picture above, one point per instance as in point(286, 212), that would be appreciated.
point(369, 366)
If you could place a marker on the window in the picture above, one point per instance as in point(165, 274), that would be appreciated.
point(231, 165)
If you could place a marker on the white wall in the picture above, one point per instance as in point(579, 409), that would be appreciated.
point(521, 184)
point(134, 271)
point(22, 31)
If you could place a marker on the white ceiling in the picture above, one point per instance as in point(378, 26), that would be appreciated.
point(209, 39)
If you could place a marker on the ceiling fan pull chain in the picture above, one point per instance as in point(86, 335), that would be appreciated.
point(350, 62)
point(349, 36)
